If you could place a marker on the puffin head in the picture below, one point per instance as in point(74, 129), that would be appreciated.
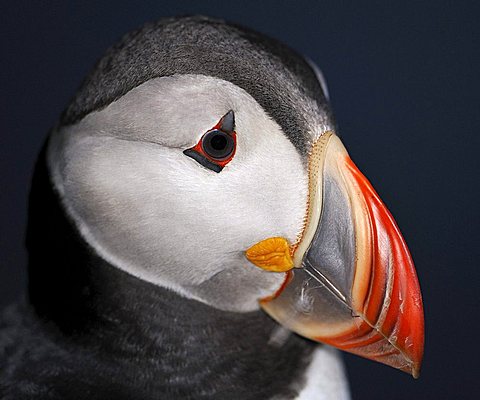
point(176, 179)
point(203, 158)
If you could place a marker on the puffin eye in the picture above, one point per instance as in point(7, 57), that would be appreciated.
point(217, 147)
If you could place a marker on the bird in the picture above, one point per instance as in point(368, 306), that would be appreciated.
point(196, 228)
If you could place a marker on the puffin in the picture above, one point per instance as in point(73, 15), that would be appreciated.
point(197, 230)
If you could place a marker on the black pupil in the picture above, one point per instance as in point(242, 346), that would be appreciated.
point(218, 144)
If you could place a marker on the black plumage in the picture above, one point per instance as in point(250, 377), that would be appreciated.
point(206, 46)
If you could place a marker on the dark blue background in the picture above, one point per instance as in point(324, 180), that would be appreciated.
point(404, 85)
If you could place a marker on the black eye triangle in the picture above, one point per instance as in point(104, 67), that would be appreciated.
point(227, 123)
point(202, 160)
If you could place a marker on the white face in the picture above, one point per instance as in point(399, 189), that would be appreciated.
point(157, 214)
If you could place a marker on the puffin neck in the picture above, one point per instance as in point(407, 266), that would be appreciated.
point(94, 305)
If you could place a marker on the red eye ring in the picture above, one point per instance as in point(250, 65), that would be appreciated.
point(217, 147)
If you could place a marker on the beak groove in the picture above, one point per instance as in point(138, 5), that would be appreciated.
point(354, 286)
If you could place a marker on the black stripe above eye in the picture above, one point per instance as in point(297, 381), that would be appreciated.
point(202, 160)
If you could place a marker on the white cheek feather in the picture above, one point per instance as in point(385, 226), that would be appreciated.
point(155, 213)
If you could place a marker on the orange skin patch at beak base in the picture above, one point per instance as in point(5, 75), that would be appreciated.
point(272, 254)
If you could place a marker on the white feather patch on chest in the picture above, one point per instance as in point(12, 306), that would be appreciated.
point(325, 377)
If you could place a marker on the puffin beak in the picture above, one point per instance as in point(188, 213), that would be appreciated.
point(353, 283)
